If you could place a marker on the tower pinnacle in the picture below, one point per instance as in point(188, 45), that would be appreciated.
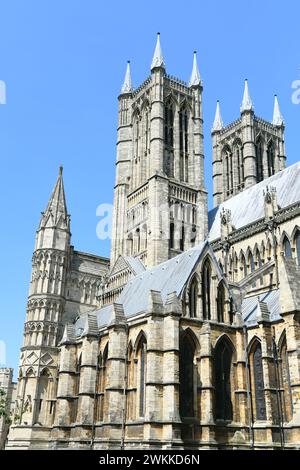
point(195, 79)
point(127, 85)
point(218, 123)
point(277, 116)
point(56, 207)
point(247, 104)
point(158, 59)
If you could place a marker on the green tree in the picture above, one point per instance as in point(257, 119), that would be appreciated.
point(3, 410)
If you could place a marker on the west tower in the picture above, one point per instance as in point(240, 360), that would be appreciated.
point(160, 202)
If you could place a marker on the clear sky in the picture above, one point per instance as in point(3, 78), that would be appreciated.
point(63, 62)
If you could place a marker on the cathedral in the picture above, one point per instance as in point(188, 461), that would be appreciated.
point(188, 337)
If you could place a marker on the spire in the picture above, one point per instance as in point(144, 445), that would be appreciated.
point(195, 79)
point(127, 85)
point(218, 123)
point(247, 104)
point(158, 60)
point(277, 116)
point(56, 207)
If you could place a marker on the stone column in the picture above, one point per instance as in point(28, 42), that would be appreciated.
point(116, 363)
point(206, 389)
point(170, 367)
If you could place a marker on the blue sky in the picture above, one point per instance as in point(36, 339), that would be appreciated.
point(63, 63)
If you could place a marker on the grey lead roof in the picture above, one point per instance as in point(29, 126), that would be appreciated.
point(248, 206)
point(250, 306)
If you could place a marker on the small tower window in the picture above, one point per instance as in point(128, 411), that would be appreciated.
point(259, 161)
point(271, 159)
point(183, 144)
point(169, 139)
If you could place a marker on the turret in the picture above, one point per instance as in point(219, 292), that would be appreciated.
point(44, 318)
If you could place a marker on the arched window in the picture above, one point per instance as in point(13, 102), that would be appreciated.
point(221, 302)
point(271, 158)
point(259, 263)
point(138, 240)
point(206, 286)
point(244, 265)
point(193, 298)
point(131, 385)
point(186, 376)
point(223, 380)
point(45, 402)
point(257, 382)
point(182, 237)
point(297, 244)
point(183, 143)
point(228, 169)
point(172, 233)
point(285, 382)
point(251, 264)
point(287, 248)
point(259, 161)
point(102, 379)
point(169, 139)
point(141, 367)
point(238, 158)
point(193, 235)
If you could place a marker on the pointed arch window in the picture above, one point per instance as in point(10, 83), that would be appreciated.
point(193, 298)
point(206, 290)
point(238, 157)
point(244, 265)
point(182, 237)
point(186, 377)
point(285, 382)
point(271, 158)
point(259, 263)
point(142, 365)
point(45, 399)
point(287, 248)
point(172, 235)
point(297, 244)
point(221, 302)
point(257, 382)
point(102, 380)
point(228, 169)
point(183, 144)
point(169, 138)
point(130, 401)
point(259, 160)
point(223, 380)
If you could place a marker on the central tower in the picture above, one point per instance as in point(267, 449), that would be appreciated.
point(160, 202)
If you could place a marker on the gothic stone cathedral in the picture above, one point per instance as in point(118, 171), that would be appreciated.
point(189, 336)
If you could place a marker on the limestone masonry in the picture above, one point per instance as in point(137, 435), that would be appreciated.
point(189, 335)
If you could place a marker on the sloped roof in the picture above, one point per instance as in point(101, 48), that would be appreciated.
point(248, 206)
point(250, 306)
point(167, 277)
point(135, 264)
